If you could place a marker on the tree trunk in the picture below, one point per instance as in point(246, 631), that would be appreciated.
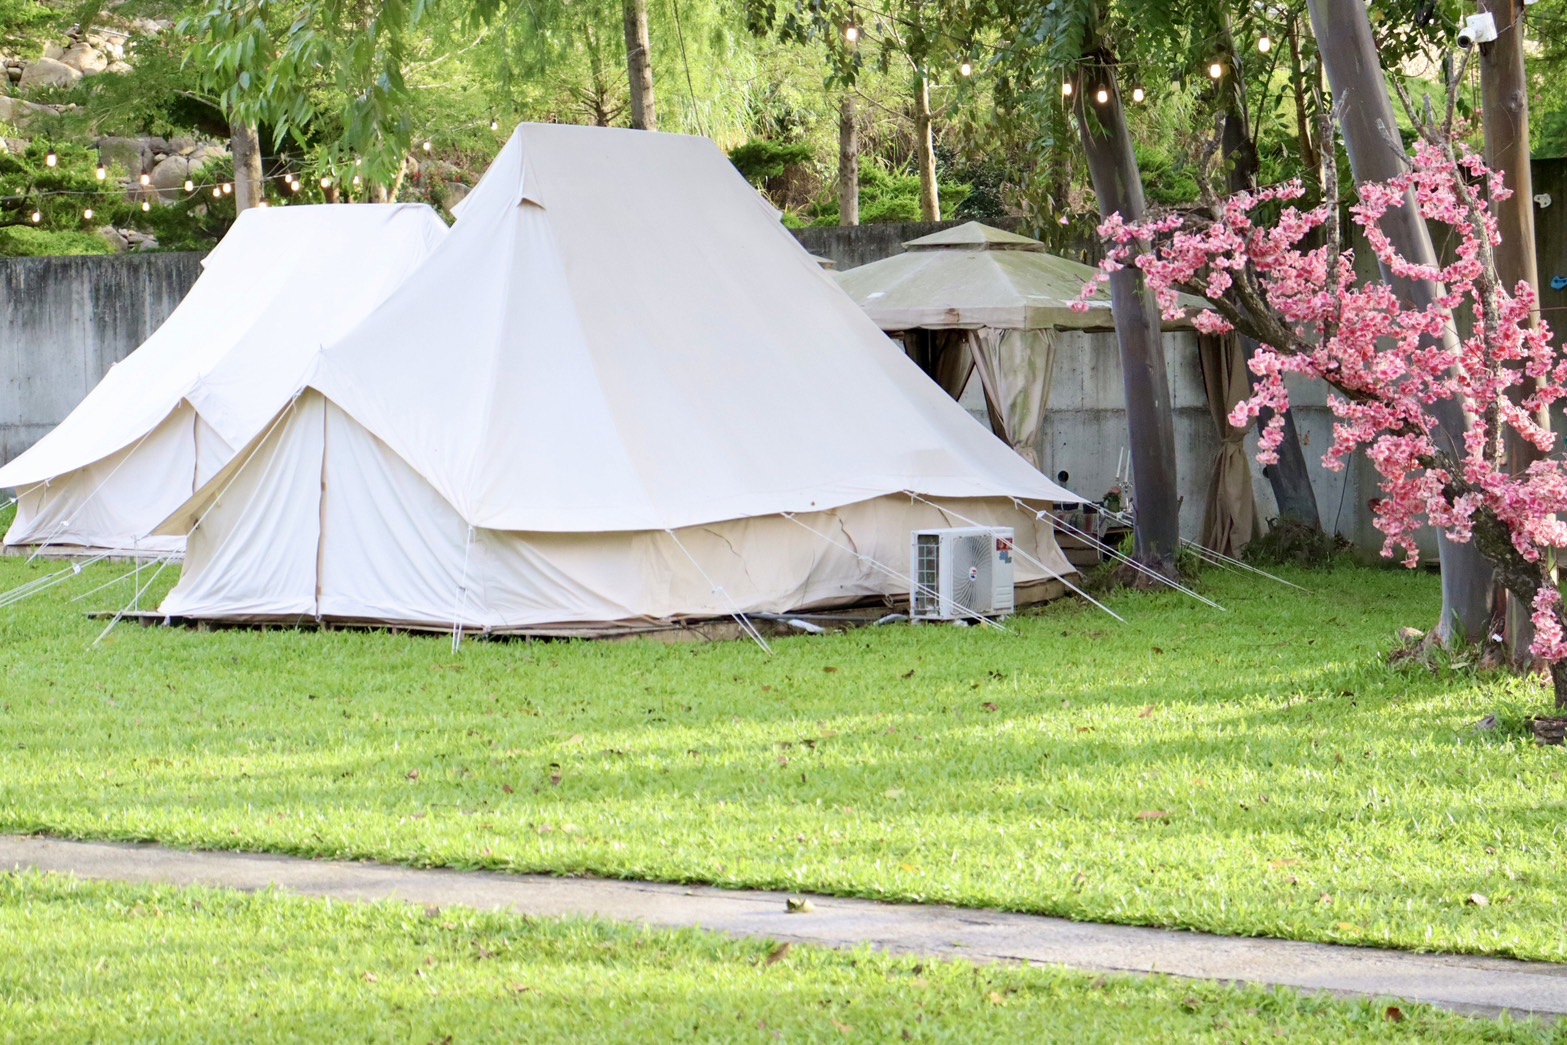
point(1376, 153)
point(639, 66)
point(1288, 477)
point(1144, 375)
point(1504, 94)
point(925, 146)
point(245, 146)
point(848, 162)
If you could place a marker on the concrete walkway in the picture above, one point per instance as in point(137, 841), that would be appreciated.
point(1475, 985)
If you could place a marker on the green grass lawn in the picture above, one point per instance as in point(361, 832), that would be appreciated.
point(95, 962)
point(1256, 772)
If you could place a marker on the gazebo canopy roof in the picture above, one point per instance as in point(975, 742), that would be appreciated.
point(974, 275)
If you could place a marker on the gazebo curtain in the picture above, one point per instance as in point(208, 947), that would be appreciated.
point(1230, 519)
point(1015, 367)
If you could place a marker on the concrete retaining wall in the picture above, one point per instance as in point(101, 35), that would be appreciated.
point(65, 321)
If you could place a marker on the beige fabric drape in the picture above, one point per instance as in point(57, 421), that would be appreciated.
point(1230, 520)
point(1015, 367)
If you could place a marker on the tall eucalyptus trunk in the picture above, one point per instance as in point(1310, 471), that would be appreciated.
point(848, 162)
point(639, 66)
point(1504, 96)
point(245, 147)
point(1376, 153)
point(1144, 374)
point(925, 148)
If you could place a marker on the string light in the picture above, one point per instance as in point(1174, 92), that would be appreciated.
point(51, 160)
point(1216, 70)
point(1264, 44)
point(146, 179)
point(326, 183)
point(87, 214)
point(37, 216)
point(495, 125)
point(228, 187)
point(263, 203)
point(217, 193)
point(145, 206)
point(965, 69)
point(1066, 88)
point(293, 186)
point(851, 33)
point(189, 185)
point(358, 181)
point(1102, 96)
point(1138, 94)
point(103, 172)
point(427, 146)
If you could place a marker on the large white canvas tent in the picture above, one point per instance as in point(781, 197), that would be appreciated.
point(618, 392)
point(171, 414)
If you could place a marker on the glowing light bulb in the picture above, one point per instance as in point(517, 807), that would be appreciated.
point(145, 206)
point(495, 125)
point(326, 183)
point(1066, 88)
point(358, 181)
point(37, 216)
point(1264, 44)
point(263, 203)
point(146, 179)
point(965, 69)
point(427, 146)
point(1138, 94)
point(51, 160)
point(228, 187)
point(293, 186)
point(359, 161)
point(1102, 96)
point(87, 214)
point(190, 186)
point(217, 193)
point(103, 172)
point(1216, 70)
point(851, 33)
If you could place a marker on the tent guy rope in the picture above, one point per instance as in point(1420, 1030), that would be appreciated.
point(718, 589)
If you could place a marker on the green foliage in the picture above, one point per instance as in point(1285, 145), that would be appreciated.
point(1007, 771)
point(24, 241)
point(891, 197)
point(761, 160)
point(1290, 543)
point(59, 194)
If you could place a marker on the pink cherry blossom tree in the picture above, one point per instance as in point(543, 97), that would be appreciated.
point(1273, 269)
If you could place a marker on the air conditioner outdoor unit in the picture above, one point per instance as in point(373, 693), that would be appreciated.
point(961, 573)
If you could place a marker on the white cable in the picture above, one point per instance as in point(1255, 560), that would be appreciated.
point(135, 600)
point(1048, 571)
point(462, 594)
point(901, 577)
point(1102, 546)
point(40, 584)
point(718, 589)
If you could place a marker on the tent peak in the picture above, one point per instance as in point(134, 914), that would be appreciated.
point(972, 235)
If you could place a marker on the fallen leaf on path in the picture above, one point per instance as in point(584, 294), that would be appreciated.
point(776, 955)
point(1153, 814)
point(990, 706)
point(1478, 900)
point(1146, 712)
point(798, 905)
point(1394, 1013)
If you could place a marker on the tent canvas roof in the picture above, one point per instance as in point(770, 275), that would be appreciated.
point(978, 276)
point(618, 334)
point(280, 284)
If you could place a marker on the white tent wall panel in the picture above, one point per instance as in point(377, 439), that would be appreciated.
point(115, 502)
point(381, 544)
point(270, 498)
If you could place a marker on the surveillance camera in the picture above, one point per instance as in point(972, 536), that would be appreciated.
point(1478, 29)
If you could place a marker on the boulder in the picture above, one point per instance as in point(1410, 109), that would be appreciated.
point(54, 51)
point(181, 146)
point(452, 193)
point(118, 67)
point(113, 237)
point(17, 112)
point(48, 72)
point(85, 59)
point(208, 151)
point(133, 155)
point(168, 177)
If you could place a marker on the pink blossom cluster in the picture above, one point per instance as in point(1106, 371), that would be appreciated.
point(1390, 365)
